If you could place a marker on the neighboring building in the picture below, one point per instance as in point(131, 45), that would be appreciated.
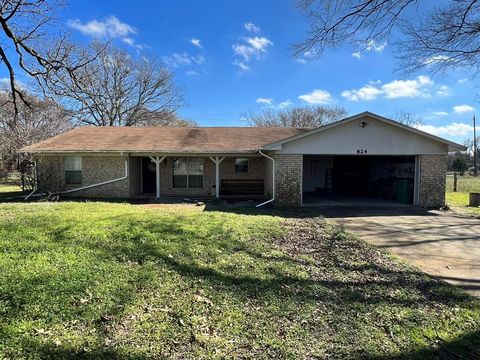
point(365, 155)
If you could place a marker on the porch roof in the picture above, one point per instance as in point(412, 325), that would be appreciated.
point(164, 139)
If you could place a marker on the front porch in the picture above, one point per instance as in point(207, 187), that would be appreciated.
point(241, 176)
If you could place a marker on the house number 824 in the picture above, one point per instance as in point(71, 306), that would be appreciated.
point(362, 151)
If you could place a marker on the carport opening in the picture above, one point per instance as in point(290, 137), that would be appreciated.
point(358, 179)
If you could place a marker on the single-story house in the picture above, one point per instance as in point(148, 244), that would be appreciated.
point(362, 155)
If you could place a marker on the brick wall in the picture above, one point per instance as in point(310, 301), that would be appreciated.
point(288, 180)
point(166, 179)
point(95, 169)
point(433, 169)
point(50, 173)
point(256, 169)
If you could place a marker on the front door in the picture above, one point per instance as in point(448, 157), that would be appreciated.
point(148, 176)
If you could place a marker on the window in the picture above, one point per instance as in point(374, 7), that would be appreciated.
point(73, 169)
point(241, 165)
point(188, 173)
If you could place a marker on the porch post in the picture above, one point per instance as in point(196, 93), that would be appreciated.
point(157, 160)
point(217, 161)
point(157, 174)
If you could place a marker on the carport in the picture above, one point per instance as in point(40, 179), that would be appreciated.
point(342, 180)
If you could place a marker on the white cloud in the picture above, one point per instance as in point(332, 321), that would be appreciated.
point(373, 46)
point(199, 59)
point(370, 45)
point(306, 56)
point(356, 54)
point(241, 65)
point(407, 88)
point(436, 59)
point(285, 104)
point(260, 44)
point(443, 90)
point(367, 92)
point(183, 59)
point(192, 73)
point(251, 27)
point(462, 81)
point(131, 42)
point(419, 87)
point(243, 51)
point(317, 97)
point(268, 101)
point(110, 27)
point(440, 113)
point(196, 42)
point(461, 109)
point(452, 129)
point(252, 47)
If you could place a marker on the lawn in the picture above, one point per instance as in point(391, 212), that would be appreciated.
point(458, 201)
point(9, 187)
point(101, 280)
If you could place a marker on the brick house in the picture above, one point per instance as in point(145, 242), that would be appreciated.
point(365, 155)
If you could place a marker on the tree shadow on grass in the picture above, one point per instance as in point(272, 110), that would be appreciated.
point(441, 350)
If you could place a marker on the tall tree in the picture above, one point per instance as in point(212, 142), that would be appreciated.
point(406, 118)
point(309, 116)
point(39, 120)
point(435, 35)
point(117, 89)
point(32, 45)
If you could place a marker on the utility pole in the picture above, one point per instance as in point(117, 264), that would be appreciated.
point(475, 170)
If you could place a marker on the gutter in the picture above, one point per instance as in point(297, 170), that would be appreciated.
point(88, 186)
point(273, 179)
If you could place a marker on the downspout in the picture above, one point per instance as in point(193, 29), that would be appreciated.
point(273, 179)
point(90, 186)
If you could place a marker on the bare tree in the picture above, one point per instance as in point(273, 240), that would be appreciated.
point(30, 44)
point(309, 116)
point(406, 118)
point(154, 118)
point(40, 120)
point(470, 145)
point(443, 36)
point(117, 89)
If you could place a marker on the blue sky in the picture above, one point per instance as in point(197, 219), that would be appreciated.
point(232, 57)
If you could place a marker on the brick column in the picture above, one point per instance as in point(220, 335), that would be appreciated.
point(433, 171)
point(288, 180)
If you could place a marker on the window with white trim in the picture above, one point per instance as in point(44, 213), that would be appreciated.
point(188, 173)
point(241, 165)
point(73, 170)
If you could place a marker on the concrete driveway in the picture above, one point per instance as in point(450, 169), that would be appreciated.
point(441, 244)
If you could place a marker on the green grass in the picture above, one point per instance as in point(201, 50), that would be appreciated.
point(101, 280)
point(9, 187)
point(458, 201)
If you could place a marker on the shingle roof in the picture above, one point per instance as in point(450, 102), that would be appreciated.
point(164, 139)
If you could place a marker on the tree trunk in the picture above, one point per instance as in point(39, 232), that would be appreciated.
point(454, 181)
